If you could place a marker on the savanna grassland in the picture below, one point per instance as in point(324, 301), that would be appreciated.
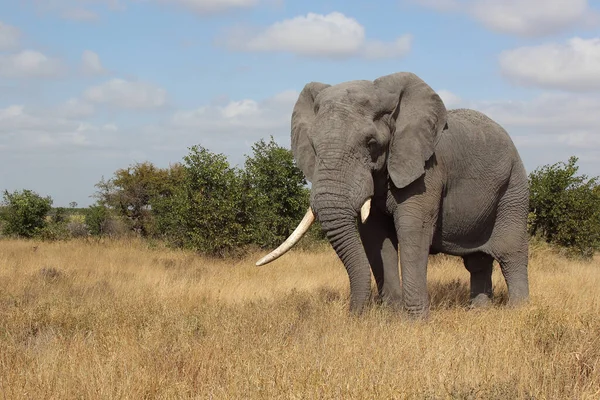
point(117, 319)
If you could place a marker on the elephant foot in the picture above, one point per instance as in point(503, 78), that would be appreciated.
point(390, 302)
point(514, 302)
point(482, 300)
point(419, 313)
point(358, 308)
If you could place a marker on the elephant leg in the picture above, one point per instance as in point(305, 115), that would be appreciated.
point(510, 244)
point(414, 241)
point(378, 236)
point(514, 270)
point(480, 266)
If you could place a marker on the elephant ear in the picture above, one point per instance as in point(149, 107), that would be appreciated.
point(303, 118)
point(418, 116)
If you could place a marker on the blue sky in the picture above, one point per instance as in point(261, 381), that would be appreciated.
point(90, 86)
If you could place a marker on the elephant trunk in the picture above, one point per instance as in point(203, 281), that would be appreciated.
point(341, 230)
point(341, 192)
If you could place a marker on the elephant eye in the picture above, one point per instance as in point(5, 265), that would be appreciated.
point(372, 144)
point(374, 149)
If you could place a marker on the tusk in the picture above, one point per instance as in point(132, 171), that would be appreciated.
point(364, 210)
point(283, 248)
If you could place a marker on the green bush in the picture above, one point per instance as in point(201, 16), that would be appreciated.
point(96, 219)
point(204, 212)
point(564, 208)
point(131, 190)
point(59, 215)
point(54, 231)
point(220, 210)
point(56, 225)
point(24, 213)
point(276, 194)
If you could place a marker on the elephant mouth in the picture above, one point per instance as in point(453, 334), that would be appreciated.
point(301, 230)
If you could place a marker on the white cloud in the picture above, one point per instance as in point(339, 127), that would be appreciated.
point(574, 65)
point(91, 63)
point(21, 128)
point(529, 18)
point(210, 6)
point(549, 113)
point(224, 126)
point(64, 157)
point(9, 36)
point(313, 34)
point(29, 64)
point(450, 99)
point(333, 35)
point(253, 116)
point(75, 108)
point(580, 140)
point(127, 94)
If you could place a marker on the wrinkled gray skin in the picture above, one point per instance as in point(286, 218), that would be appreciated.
point(441, 181)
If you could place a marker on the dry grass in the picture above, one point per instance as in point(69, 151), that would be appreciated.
point(119, 320)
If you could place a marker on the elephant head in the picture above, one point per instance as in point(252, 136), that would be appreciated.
point(342, 135)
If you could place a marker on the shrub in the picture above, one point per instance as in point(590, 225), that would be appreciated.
point(565, 208)
point(77, 229)
point(131, 190)
point(96, 219)
point(24, 213)
point(116, 227)
point(101, 221)
point(76, 226)
point(54, 231)
point(277, 197)
point(59, 215)
point(204, 212)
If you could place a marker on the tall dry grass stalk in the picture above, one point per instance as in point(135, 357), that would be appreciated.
point(119, 320)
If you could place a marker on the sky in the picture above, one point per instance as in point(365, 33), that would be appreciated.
point(91, 86)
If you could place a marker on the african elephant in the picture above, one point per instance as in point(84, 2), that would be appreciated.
point(424, 180)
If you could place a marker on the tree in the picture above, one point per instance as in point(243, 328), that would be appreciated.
point(277, 194)
point(203, 212)
point(565, 208)
point(96, 219)
point(25, 213)
point(131, 190)
point(60, 215)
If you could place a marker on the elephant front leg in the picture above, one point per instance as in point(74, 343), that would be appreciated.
point(480, 266)
point(378, 236)
point(414, 238)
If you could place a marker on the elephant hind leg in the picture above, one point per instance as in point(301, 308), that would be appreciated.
point(510, 241)
point(378, 236)
point(480, 266)
point(514, 269)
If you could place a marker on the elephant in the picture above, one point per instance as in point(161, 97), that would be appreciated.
point(423, 180)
